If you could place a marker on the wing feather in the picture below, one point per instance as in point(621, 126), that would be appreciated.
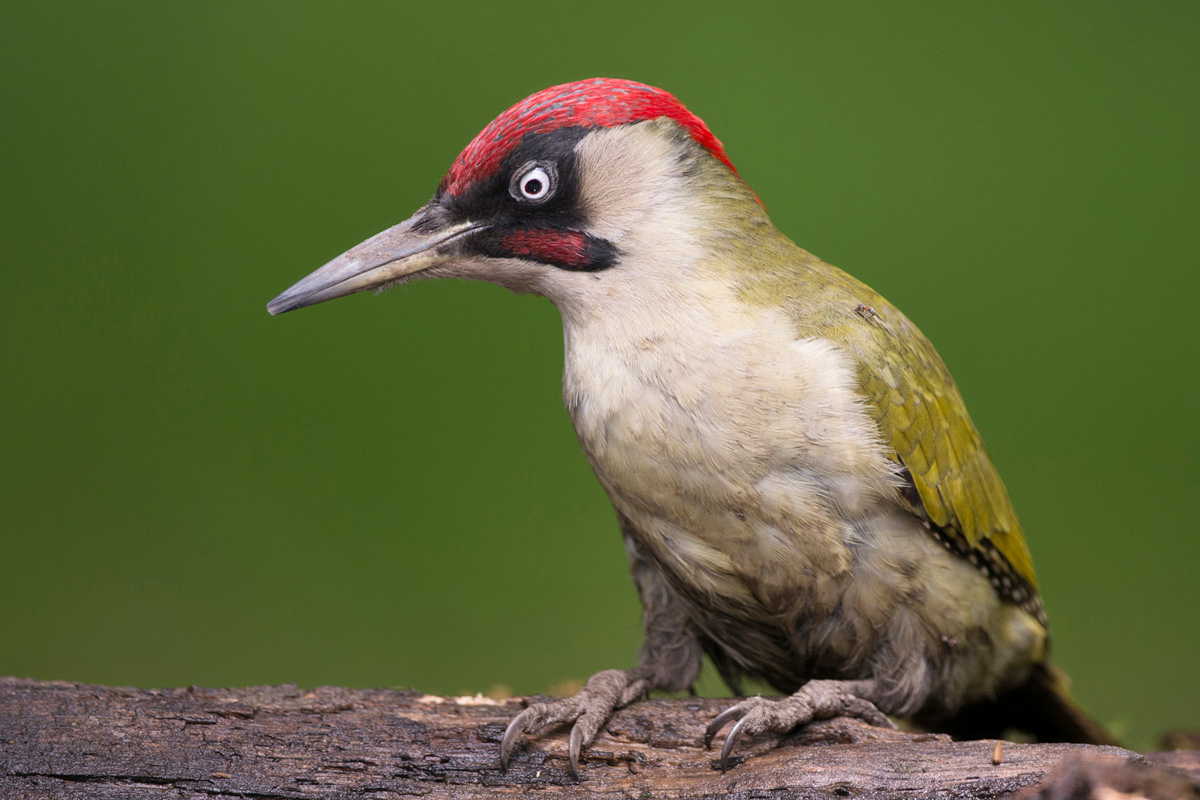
point(920, 413)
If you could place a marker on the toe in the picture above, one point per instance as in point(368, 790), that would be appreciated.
point(511, 733)
point(573, 750)
point(583, 733)
point(721, 720)
point(815, 700)
point(735, 733)
point(867, 712)
point(733, 713)
point(588, 710)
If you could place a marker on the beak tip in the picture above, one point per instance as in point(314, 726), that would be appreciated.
point(397, 252)
point(279, 305)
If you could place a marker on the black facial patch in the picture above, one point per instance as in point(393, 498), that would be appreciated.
point(550, 232)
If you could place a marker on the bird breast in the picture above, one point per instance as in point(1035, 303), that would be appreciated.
point(741, 453)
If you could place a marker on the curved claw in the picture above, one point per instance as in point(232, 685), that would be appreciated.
point(588, 709)
point(573, 749)
point(719, 722)
point(510, 738)
point(735, 733)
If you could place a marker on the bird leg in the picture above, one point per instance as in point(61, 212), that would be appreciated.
point(669, 661)
point(588, 709)
point(815, 700)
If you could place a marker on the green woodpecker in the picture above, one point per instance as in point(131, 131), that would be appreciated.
point(802, 495)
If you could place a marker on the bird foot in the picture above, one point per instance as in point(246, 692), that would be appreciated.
point(815, 700)
point(588, 709)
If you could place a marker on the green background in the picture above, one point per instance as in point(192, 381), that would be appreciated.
point(387, 491)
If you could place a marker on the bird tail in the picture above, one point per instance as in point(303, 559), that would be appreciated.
point(1042, 707)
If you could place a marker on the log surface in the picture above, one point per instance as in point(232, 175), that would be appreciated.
point(68, 740)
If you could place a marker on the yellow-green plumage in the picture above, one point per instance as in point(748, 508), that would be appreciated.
point(921, 413)
point(911, 394)
point(723, 383)
point(802, 494)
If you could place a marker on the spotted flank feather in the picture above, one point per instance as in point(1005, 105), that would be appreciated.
point(1007, 582)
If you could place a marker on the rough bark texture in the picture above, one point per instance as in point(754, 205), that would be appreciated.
point(66, 740)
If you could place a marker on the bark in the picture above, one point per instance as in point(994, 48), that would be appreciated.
point(67, 740)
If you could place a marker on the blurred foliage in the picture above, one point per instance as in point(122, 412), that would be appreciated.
point(388, 491)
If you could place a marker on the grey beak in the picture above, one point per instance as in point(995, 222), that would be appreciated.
point(414, 245)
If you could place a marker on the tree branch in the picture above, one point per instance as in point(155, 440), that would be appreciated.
point(67, 740)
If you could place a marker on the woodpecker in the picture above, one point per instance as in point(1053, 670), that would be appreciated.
point(802, 495)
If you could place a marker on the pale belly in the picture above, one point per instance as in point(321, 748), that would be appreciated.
point(750, 482)
point(768, 502)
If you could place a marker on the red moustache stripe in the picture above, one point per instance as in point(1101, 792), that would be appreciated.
point(568, 248)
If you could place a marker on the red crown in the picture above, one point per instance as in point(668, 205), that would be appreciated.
point(593, 103)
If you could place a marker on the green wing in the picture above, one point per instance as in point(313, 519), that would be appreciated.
point(922, 415)
point(909, 392)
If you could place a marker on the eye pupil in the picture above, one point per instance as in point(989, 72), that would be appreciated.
point(533, 186)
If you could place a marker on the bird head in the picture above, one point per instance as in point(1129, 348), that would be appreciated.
point(572, 184)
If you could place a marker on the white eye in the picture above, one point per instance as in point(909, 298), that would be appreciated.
point(534, 182)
